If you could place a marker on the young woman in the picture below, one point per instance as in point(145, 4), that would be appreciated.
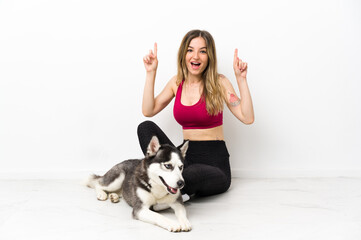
point(200, 93)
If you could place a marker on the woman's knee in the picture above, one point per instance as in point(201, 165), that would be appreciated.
point(217, 187)
point(205, 180)
point(145, 125)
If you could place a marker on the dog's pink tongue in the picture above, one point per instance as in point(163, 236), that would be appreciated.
point(173, 190)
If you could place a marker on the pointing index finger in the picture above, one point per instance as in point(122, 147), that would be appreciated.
point(235, 54)
point(155, 49)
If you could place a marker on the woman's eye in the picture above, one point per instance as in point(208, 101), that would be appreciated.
point(189, 50)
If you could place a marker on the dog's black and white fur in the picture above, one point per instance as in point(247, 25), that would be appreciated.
point(145, 183)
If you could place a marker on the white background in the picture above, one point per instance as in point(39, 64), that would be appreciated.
point(72, 77)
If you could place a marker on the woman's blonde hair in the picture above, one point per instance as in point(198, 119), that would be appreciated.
point(212, 90)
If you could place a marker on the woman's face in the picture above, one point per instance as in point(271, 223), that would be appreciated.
point(197, 57)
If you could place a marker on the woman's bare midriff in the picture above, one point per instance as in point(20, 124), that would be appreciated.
point(203, 134)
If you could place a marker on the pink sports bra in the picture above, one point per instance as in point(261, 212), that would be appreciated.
point(195, 116)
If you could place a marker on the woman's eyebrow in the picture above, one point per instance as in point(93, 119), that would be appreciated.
point(200, 48)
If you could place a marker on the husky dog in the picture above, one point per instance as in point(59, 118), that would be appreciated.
point(145, 183)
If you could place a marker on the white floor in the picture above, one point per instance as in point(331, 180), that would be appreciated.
point(252, 209)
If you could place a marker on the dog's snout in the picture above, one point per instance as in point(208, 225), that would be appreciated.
point(180, 183)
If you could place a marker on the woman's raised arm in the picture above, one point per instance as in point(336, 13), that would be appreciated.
point(151, 106)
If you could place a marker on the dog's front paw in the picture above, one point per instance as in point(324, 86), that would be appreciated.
point(173, 227)
point(185, 225)
point(114, 198)
point(102, 196)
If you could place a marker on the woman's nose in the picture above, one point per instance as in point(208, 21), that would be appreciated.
point(195, 55)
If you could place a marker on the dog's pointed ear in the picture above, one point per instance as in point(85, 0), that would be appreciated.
point(183, 149)
point(153, 146)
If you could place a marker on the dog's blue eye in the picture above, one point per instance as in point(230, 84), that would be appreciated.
point(168, 166)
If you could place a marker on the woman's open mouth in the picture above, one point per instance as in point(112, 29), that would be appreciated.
point(195, 65)
point(170, 189)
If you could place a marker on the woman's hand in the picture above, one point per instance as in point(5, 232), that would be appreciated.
point(240, 68)
point(150, 60)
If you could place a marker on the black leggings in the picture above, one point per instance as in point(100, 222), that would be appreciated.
point(206, 168)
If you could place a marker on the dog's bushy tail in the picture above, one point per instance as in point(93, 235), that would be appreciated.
point(90, 181)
